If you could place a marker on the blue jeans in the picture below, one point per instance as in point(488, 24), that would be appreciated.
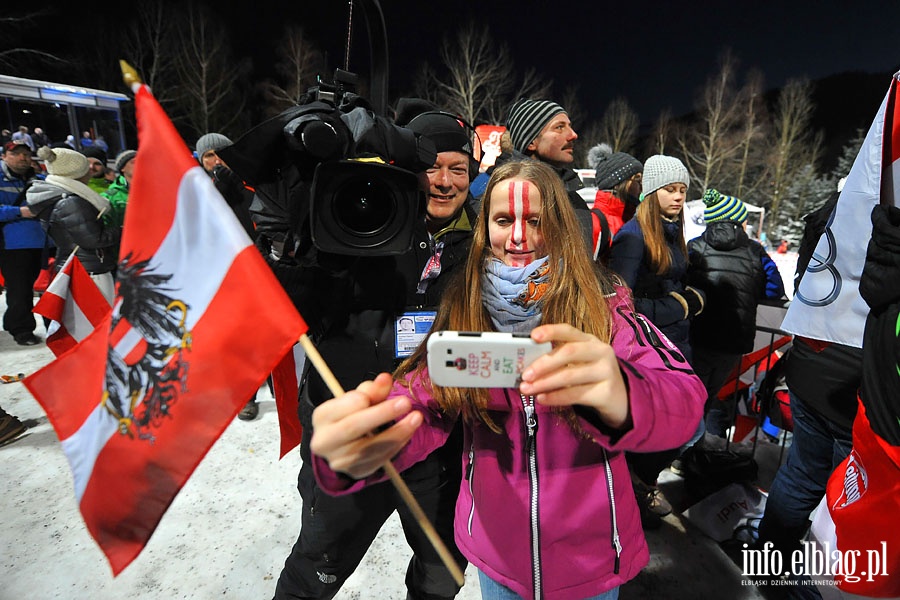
point(818, 447)
point(491, 590)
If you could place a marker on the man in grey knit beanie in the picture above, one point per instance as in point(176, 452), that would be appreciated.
point(541, 129)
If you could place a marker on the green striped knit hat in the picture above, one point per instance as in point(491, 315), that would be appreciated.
point(720, 207)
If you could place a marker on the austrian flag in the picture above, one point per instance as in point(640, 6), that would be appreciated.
point(197, 324)
point(74, 304)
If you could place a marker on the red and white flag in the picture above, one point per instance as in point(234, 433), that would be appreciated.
point(74, 304)
point(827, 306)
point(198, 322)
point(286, 377)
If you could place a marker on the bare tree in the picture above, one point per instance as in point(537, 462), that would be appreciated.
point(297, 66)
point(425, 84)
point(662, 133)
point(711, 146)
point(207, 75)
point(794, 146)
point(480, 80)
point(478, 72)
point(752, 160)
point(619, 125)
point(150, 44)
point(15, 56)
point(532, 85)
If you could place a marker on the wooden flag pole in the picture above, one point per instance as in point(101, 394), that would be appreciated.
point(336, 389)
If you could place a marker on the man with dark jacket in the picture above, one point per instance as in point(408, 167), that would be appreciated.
point(238, 197)
point(22, 242)
point(541, 129)
point(736, 274)
point(356, 307)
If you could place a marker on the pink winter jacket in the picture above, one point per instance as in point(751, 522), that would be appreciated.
point(543, 510)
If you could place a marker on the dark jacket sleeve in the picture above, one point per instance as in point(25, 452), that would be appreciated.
point(626, 256)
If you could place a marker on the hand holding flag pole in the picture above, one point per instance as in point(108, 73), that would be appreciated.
point(335, 387)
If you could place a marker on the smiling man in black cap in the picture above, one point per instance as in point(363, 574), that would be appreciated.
point(364, 331)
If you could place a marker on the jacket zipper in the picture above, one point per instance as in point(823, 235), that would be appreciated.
point(470, 477)
point(616, 543)
point(531, 426)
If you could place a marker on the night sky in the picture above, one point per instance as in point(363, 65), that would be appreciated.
point(656, 54)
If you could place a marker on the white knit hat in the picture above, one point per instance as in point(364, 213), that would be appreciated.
point(660, 171)
point(63, 162)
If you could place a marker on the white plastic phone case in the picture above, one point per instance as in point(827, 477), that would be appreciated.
point(487, 359)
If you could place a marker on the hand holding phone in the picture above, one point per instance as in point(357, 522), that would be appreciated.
point(482, 359)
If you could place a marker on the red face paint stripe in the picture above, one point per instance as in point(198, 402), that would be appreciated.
point(519, 207)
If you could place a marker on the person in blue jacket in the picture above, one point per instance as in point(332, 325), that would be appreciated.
point(22, 243)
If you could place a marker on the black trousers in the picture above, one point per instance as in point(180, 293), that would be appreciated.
point(20, 270)
point(336, 531)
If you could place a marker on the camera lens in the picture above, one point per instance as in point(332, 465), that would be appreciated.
point(364, 207)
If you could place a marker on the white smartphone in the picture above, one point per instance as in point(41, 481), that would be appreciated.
point(486, 359)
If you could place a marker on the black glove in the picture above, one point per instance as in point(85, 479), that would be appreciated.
point(696, 300)
point(229, 184)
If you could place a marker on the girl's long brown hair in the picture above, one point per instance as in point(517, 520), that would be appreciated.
point(575, 294)
point(650, 219)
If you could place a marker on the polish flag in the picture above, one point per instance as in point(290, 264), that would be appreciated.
point(827, 305)
point(198, 322)
point(74, 304)
point(286, 377)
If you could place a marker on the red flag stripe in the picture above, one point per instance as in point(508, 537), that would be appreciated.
point(891, 151)
point(68, 389)
point(286, 378)
point(892, 124)
point(147, 223)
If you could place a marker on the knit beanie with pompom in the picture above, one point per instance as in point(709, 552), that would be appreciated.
point(63, 162)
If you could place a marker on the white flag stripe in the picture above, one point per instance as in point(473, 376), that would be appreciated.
point(128, 343)
point(60, 284)
point(199, 249)
point(76, 322)
point(52, 328)
point(203, 232)
point(827, 306)
point(82, 449)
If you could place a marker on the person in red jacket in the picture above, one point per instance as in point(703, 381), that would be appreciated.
point(618, 177)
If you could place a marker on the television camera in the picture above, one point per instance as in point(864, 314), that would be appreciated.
point(333, 170)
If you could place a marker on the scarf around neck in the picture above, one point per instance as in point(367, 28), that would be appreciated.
point(79, 189)
point(513, 296)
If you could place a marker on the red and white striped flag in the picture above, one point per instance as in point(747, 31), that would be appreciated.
point(74, 304)
point(827, 306)
point(286, 377)
point(198, 322)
